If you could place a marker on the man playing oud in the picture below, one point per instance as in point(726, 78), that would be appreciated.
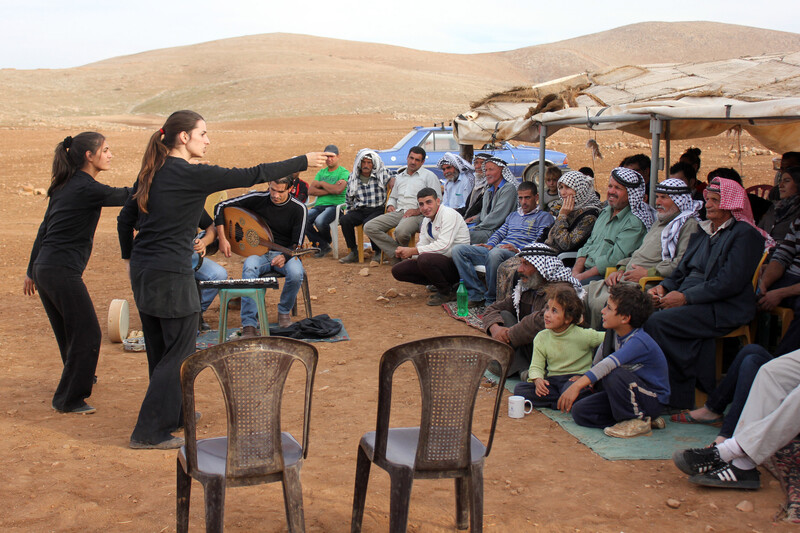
point(286, 217)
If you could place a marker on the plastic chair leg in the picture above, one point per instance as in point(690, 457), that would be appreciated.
point(462, 503)
point(363, 465)
point(399, 500)
point(293, 499)
point(476, 498)
point(215, 504)
point(183, 496)
point(263, 321)
point(223, 316)
point(360, 242)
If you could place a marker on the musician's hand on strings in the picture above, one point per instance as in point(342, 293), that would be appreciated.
point(200, 247)
point(28, 287)
point(318, 159)
point(278, 261)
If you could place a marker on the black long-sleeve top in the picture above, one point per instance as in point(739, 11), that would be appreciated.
point(66, 235)
point(176, 200)
point(287, 221)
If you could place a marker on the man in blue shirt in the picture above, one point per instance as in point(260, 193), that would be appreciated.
point(459, 176)
point(522, 227)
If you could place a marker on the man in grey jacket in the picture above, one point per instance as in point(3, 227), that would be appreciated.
point(499, 200)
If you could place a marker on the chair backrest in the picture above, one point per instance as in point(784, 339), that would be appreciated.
point(252, 373)
point(449, 369)
point(762, 191)
point(757, 273)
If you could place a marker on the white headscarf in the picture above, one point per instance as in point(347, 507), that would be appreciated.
point(680, 193)
point(634, 182)
point(378, 169)
point(462, 166)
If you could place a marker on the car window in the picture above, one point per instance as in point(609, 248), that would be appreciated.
point(445, 142)
point(404, 140)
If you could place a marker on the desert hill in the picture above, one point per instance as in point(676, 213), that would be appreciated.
point(284, 75)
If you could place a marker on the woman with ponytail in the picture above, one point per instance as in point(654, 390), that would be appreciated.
point(59, 256)
point(169, 198)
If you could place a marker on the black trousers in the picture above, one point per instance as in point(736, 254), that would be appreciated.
point(557, 386)
point(74, 321)
point(169, 341)
point(357, 217)
point(428, 269)
point(621, 396)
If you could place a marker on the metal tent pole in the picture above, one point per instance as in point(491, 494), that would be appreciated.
point(542, 145)
point(656, 127)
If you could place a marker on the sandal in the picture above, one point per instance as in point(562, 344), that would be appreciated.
point(686, 418)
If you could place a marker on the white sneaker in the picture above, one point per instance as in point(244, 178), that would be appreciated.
point(627, 429)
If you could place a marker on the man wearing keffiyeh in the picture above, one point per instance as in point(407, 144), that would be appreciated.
point(517, 319)
point(460, 177)
point(661, 250)
point(499, 200)
point(619, 229)
point(709, 294)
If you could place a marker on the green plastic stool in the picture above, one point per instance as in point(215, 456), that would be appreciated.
point(257, 294)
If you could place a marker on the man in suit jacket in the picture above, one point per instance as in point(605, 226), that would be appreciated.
point(710, 293)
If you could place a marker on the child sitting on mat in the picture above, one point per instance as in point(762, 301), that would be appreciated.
point(629, 372)
point(563, 351)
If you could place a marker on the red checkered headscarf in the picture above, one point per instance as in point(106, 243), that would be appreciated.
point(733, 198)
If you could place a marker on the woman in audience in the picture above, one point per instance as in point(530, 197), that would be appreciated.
point(780, 215)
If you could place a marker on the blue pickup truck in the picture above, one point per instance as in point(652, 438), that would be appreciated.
point(523, 160)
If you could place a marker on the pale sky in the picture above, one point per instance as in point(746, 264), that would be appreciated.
point(55, 34)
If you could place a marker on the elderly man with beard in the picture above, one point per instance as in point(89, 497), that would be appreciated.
point(517, 319)
point(460, 178)
point(619, 229)
point(661, 250)
point(710, 293)
point(366, 196)
point(499, 200)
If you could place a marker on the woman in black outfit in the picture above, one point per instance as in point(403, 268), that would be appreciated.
point(59, 256)
point(169, 199)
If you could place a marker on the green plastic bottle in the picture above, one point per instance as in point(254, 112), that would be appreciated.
point(462, 299)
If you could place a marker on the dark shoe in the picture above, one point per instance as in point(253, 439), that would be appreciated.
point(94, 380)
point(352, 257)
point(394, 260)
point(167, 444)
point(324, 249)
point(197, 416)
point(82, 409)
point(439, 298)
point(431, 288)
point(203, 325)
point(729, 477)
point(474, 304)
point(249, 331)
point(284, 320)
point(698, 460)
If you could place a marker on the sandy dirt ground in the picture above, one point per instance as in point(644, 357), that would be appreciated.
point(76, 473)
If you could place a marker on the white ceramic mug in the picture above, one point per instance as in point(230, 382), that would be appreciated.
point(516, 406)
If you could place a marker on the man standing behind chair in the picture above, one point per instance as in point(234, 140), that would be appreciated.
point(522, 227)
point(499, 200)
point(402, 210)
point(329, 187)
point(366, 196)
point(619, 229)
point(442, 228)
point(286, 217)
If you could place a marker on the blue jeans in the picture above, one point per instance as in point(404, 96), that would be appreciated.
point(467, 256)
point(321, 217)
point(209, 271)
point(256, 266)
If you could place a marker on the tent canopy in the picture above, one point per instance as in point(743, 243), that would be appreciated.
point(756, 94)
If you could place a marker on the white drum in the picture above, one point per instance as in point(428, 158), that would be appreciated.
point(118, 316)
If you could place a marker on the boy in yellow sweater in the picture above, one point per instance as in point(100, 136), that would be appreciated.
point(562, 352)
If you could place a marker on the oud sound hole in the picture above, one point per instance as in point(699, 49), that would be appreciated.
point(252, 238)
point(238, 233)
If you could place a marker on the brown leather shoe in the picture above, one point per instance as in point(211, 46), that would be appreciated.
point(249, 331)
point(284, 320)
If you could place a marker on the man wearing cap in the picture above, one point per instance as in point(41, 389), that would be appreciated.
point(460, 177)
point(619, 229)
point(710, 293)
point(329, 187)
point(366, 196)
point(517, 319)
point(499, 200)
point(402, 210)
point(661, 250)
point(442, 228)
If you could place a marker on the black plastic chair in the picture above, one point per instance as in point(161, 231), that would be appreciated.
point(252, 373)
point(450, 370)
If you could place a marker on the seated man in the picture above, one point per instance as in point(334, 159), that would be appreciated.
point(402, 212)
point(442, 228)
point(710, 293)
point(517, 319)
point(286, 217)
point(780, 285)
point(523, 226)
point(475, 197)
point(619, 229)
point(366, 196)
point(460, 177)
point(329, 187)
point(661, 250)
point(768, 422)
point(208, 270)
point(499, 200)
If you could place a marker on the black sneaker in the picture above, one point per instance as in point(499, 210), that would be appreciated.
point(729, 477)
point(698, 460)
point(324, 249)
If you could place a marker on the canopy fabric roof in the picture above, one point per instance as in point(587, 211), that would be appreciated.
point(757, 94)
